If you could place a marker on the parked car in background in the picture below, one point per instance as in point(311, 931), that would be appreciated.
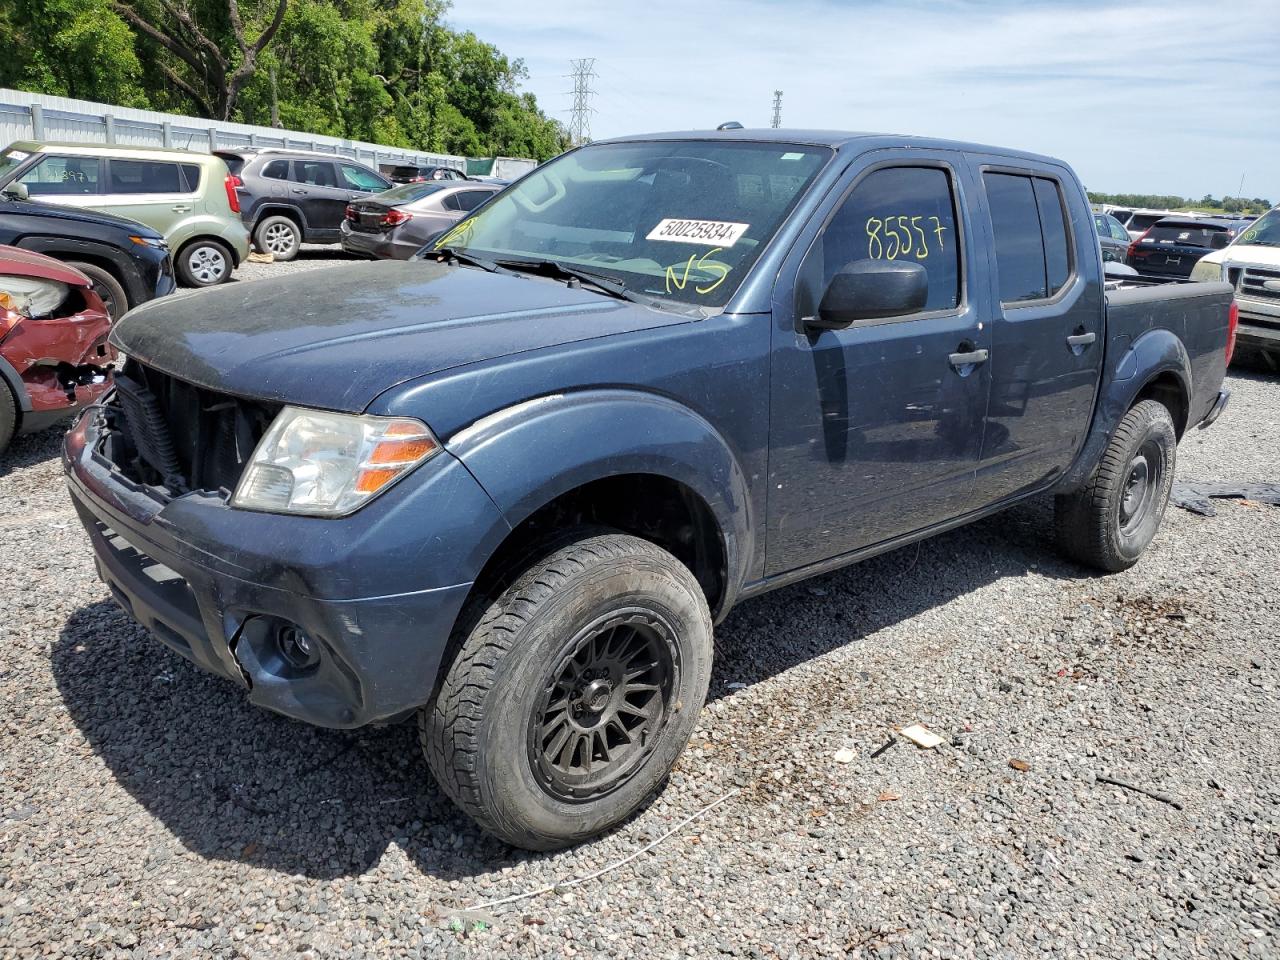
point(54, 356)
point(188, 197)
point(394, 225)
point(289, 198)
point(411, 174)
point(1137, 222)
point(128, 263)
point(511, 488)
point(1172, 246)
point(1112, 238)
point(1251, 264)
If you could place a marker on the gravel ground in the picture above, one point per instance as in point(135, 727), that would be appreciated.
point(147, 811)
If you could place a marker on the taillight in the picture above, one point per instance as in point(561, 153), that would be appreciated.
point(350, 212)
point(231, 182)
point(1233, 321)
point(1133, 247)
point(394, 218)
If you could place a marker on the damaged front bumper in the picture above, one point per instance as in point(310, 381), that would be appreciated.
point(304, 613)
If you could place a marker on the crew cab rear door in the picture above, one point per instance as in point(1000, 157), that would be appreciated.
point(1045, 323)
point(876, 428)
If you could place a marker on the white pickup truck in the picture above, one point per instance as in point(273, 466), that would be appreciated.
point(1251, 264)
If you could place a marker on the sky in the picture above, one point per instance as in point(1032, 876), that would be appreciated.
point(1173, 97)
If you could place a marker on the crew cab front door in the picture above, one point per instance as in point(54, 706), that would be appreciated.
point(876, 429)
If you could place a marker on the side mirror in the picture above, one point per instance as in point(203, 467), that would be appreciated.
point(17, 190)
point(871, 290)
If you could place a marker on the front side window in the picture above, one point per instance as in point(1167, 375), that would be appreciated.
point(900, 213)
point(144, 176)
point(1033, 253)
point(62, 176)
point(358, 178)
point(679, 220)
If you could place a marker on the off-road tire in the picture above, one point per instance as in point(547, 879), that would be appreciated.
point(264, 237)
point(479, 731)
point(107, 287)
point(8, 416)
point(1090, 523)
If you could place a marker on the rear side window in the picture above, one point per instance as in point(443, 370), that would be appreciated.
point(899, 213)
point(467, 200)
point(1033, 252)
point(317, 173)
point(63, 176)
point(145, 176)
point(191, 176)
point(276, 170)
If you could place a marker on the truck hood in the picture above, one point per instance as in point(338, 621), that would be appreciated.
point(1245, 254)
point(337, 337)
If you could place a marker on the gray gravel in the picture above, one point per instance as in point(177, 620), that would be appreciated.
point(147, 811)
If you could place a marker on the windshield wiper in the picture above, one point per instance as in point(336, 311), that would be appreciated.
point(555, 268)
point(454, 253)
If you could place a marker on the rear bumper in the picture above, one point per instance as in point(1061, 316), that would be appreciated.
point(224, 588)
point(1215, 411)
point(383, 246)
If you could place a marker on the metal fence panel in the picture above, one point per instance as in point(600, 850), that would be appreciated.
point(26, 116)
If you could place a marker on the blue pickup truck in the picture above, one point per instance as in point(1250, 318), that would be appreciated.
point(509, 487)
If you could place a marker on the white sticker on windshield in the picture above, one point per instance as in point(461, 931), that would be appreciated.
point(792, 156)
point(17, 155)
point(711, 232)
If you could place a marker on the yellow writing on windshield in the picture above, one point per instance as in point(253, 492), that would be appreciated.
point(903, 235)
point(702, 264)
point(462, 232)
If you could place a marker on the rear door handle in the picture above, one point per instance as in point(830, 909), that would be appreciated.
point(181, 208)
point(300, 192)
point(970, 358)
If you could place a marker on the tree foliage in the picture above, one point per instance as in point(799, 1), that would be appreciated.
point(1164, 202)
point(388, 71)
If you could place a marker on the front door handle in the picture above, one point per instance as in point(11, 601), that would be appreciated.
point(1078, 342)
point(965, 360)
point(302, 193)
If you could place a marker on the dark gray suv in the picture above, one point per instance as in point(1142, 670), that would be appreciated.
point(288, 198)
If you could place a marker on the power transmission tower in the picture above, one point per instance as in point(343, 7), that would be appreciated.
point(580, 115)
point(777, 108)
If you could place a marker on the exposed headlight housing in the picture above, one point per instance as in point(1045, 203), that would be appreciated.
point(32, 296)
point(1209, 271)
point(330, 464)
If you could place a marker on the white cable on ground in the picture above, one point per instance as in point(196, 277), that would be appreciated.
point(551, 888)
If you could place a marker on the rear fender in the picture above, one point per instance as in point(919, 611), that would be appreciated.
point(527, 455)
point(1136, 365)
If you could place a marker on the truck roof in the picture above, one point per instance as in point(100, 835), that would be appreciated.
point(831, 138)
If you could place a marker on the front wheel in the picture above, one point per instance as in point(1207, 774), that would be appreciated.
point(569, 701)
point(204, 263)
point(1112, 520)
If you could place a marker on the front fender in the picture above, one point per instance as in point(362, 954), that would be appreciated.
point(1136, 364)
point(528, 454)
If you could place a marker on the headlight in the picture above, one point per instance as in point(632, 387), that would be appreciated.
point(330, 464)
point(158, 242)
point(31, 296)
point(1203, 271)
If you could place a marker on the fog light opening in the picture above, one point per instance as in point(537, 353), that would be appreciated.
point(297, 648)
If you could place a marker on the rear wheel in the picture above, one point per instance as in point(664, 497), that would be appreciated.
point(569, 701)
point(279, 236)
point(204, 263)
point(107, 287)
point(1112, 520)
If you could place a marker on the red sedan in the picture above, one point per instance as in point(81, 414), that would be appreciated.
point(54, 356)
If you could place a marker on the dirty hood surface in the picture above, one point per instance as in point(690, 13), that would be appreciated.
point(337, 337)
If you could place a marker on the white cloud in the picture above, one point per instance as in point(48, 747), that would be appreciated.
point(1171, 96)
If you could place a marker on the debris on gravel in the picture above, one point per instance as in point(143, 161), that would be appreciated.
point(146, 810)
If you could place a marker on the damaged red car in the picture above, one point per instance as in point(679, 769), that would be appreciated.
point(54, 356)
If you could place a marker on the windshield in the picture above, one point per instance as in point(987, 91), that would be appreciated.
point(10, 160)
point(407, 192)
point(677, 220)
point(1265, 231)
